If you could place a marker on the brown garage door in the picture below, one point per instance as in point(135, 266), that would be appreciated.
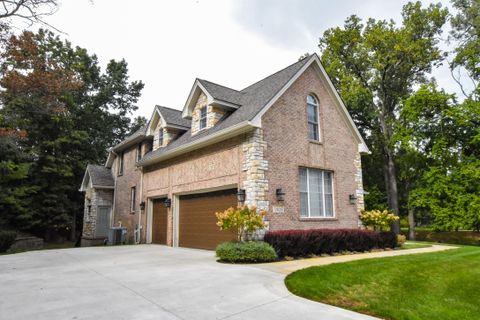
point(198, 223)
point(159, 222)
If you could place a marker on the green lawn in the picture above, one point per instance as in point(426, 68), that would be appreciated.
point(414, 245)
point(443, 285)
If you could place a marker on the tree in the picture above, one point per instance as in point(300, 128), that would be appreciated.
point(70, 111)
point(375, 66)
point(138, 123)
point(32, 11)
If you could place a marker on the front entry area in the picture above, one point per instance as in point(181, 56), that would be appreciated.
point(159, 222)
point(197, 221)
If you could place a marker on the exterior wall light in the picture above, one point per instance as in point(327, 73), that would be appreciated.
point(241, 195)
point(142, 205)
point(352, 198)
point(280, 194)
point(167, 203)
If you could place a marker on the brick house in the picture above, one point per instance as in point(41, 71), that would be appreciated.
point(286, 144)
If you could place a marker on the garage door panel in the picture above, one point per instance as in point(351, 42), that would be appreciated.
point(198, 223)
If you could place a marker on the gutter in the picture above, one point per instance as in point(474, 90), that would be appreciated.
point(202, 142)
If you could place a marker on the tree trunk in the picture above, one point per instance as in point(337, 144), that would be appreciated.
point(392, 189)
point(411, 224)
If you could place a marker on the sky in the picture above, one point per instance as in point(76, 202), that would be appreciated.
point(167, 44)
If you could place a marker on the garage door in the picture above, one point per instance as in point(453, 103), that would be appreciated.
point(197, 220)
point(159, 222)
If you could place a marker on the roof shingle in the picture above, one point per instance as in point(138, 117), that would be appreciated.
point(100, 176)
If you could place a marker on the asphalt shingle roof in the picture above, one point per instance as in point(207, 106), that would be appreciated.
point(173, 116)
point(137, 134)
point(100, 176)
point(251, 99)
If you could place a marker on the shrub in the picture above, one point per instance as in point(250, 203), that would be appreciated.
point(241, 220)
point(251, 251)
point(401, 239)
point(298, 243)
point(378, 220)
point(7, 238)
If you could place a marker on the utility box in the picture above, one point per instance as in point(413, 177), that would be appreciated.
point(117, 236)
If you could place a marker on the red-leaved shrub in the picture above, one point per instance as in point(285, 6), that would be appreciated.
point(298, 243)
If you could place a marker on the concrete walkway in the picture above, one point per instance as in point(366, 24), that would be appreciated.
point(287, 267)
point(155, 282)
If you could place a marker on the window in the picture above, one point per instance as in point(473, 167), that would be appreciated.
point(120, 164)
point(160, 137)
point(139, 152)
point(316, 193)
point(312, 115)
point(203, 117)
point(132, 199)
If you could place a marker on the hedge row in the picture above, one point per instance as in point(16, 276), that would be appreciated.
point(7, 238)
point(299, 243)
point(244, 252)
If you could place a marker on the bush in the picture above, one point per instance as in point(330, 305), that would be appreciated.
point(401, 239)
point(241, 220)
point(7, 238)
point(378, 220)
point(300, 243)
point(251, 251)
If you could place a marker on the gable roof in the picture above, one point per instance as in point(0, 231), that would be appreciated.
point(99, 176)
point(173, 117)
point(253, 101)
point(132, 139)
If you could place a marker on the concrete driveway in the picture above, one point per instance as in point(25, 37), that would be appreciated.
point(146, 282)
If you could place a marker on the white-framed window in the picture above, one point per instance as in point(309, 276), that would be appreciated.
point(203, 117)
point(133, 192)
point(316, 193)
point(139, 152)
point(160, 137)
point(120, 163)
point(312, 118)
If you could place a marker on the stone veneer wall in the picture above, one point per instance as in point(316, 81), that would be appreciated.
point(156, 135)
point(169, 135)
point(359, 180)
point(98, 197)
point(214, 114)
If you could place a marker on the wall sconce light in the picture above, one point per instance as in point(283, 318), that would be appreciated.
point(352, 198)
point(167, 203)
point(241, 195)
point(142, 205)
point(280, 194)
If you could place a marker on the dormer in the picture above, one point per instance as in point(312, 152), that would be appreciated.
point(208, 103)
point(166, 125)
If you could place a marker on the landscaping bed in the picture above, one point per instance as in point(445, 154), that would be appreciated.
point(442, 285)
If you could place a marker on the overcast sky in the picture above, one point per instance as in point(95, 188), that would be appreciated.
point(167, 44)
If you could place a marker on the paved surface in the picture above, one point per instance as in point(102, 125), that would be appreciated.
point(146, 282)
point(287, 267)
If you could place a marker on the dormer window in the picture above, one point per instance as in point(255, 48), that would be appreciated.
point(203, 117)
point(312, 118)
point(160, 137)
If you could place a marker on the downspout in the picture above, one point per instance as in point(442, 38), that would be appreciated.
point(112, 215)
point(139, 224)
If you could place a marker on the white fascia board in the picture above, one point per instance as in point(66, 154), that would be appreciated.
point(86, 177)
point(203, 142)
point(257, 120)
point(187, 112)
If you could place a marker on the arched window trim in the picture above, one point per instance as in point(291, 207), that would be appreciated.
point(313, 135)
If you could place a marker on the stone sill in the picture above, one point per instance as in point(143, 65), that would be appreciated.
point(318, 219)
point(316, 142)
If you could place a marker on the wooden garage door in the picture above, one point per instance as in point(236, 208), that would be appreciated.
point(198, 223)
point(159, 222)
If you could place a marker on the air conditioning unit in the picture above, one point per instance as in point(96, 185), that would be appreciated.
point(117, 236)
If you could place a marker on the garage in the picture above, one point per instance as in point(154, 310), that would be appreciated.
point(198, 223)
point(159, 222)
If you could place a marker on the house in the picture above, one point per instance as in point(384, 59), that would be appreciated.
point(285, 144)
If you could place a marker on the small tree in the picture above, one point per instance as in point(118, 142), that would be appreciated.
point(378, 220)
point(241, 220)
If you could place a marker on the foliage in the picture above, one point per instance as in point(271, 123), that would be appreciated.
point(70, 112)
point(299, 243)
point(401, 239)
point(416, 286)
point(244, 252)
point(241, 220)
point(375, 65)
point(378, 220)
point(7, 238)
point(471, 238)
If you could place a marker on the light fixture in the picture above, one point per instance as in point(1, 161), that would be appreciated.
point(167, 203)
point(280, 194)
point(142, 205)
point(352, 198)
point(241, 195)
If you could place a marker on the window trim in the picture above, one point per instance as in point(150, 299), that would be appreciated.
point(139, 152)
point(324, 216)
point(317, 109)
point(121, 160)
point(200, 118)
point(160, 137)
point(133, 200)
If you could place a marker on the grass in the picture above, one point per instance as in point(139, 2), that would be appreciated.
point(46, 246)
point(414, 245)
point(441, 285)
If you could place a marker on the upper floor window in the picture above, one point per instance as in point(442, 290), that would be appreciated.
point(203, 117)
point(132, 198)
point(312, 116)
point(120, 164)
point(160, 137)
point(316, 193)
point(139, 152)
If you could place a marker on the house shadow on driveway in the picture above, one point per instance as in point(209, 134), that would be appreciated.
point(146, 282)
